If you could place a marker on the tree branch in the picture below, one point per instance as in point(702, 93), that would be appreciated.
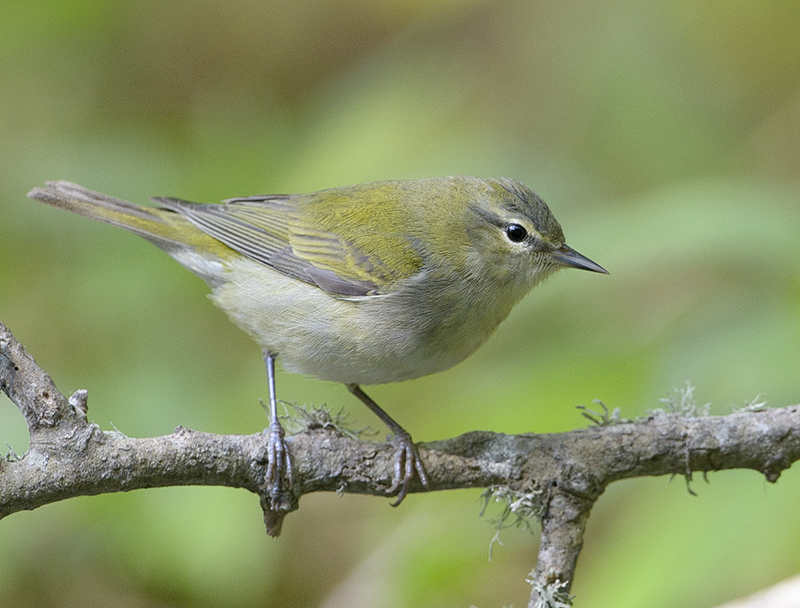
point(567, 472)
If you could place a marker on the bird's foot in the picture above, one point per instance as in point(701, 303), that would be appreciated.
point(406, 462)
point(279, 477)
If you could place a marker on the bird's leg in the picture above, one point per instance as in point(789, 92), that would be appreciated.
point(407, 458)
point(279, 467)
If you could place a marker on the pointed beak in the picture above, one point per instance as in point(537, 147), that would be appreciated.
point(566, 256)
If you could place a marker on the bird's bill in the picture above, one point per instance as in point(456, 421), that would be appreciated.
point(566, 256)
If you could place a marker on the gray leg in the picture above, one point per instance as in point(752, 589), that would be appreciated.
point(407, 458)
point(279, 468)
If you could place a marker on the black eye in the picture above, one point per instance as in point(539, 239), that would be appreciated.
point(516, 233)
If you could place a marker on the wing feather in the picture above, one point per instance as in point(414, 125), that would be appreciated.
point(272, 231)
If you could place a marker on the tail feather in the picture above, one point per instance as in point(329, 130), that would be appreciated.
point(189, 246)
point(160, 226)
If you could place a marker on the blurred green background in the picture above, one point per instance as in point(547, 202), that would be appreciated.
point(664, 135)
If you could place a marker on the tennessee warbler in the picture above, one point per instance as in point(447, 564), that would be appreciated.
point(363, 284)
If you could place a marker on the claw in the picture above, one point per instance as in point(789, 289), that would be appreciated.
point(406, 461)
point(279, 476)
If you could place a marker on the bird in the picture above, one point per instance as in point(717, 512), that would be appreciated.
point(361, 285)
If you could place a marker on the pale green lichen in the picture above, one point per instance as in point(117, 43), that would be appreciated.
point(519, 510)
point(551, 595)
point(757, 404)
point(604, 418)
point(304, 418)
point(682, 402)
point(12, 456)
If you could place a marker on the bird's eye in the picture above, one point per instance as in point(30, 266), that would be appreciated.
point(516, 233)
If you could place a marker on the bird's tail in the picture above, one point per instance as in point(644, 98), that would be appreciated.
point(162, 227)
point(189, 246)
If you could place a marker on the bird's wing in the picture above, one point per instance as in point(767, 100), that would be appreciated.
point(355, 259)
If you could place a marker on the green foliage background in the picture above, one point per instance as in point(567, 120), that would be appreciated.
point(665, 136)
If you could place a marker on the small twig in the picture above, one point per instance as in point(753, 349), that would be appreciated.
point(563, 526)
